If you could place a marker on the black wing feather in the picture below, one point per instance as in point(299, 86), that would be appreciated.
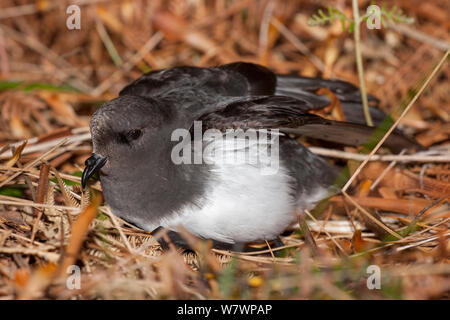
point(290, 116)
point(285, 102)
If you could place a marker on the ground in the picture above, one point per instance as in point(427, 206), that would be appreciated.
point(386, 239)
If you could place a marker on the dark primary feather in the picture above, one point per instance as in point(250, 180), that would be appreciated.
point(259, 113)
point(346, 92)
point(349, 96)
point(291, 116)
point(241, 79)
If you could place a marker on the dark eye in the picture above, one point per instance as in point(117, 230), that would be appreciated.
point(134, 134)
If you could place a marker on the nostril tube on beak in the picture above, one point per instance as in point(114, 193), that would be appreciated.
point(93, 164)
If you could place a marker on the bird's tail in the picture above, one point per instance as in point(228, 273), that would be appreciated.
point(348, 94)
point(353, 131)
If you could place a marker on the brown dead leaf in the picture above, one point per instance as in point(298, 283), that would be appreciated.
point(43, 5)
point(358, 244)
point(14, 219)
point(364, 189)
point(331, 54)
point(21, 277)
point(174, 272)
point(16, 155)
point(443, 251)
point(110, 20)
point(175, 28)
point(40, 196)
point(438, 133)
point(18, 129)
point(402, 179)
point(55, 134)
point(61, 108)
point(387, 193)
point(78, 232)
point(406, 206)
point(126, 10)
point(35, 284)
point(334, 102)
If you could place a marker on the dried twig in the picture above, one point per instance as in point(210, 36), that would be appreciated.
point(417, 157)
point(413, 100)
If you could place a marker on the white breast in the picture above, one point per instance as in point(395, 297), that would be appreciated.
point(241, 205)
point(243, 202)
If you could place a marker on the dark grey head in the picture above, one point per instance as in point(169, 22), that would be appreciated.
point(126, 128)
point(132, 146)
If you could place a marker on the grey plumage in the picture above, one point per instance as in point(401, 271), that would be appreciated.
point(143, 186)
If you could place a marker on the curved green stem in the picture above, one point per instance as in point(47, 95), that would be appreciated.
point(359, 63)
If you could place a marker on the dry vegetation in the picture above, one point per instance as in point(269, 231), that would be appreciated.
point(52, 79)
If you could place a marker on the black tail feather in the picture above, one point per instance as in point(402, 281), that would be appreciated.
point(354, 134)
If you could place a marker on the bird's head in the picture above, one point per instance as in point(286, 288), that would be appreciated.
point(122, 130)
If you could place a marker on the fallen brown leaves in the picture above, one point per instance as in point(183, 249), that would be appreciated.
point(47, 223)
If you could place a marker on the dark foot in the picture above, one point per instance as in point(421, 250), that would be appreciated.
point(174, 238)
point(170, 237)
point(277, 243)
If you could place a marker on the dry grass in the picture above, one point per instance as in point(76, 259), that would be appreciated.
point(47, 224)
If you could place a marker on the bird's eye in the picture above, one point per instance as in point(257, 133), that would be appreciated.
point(134, 134)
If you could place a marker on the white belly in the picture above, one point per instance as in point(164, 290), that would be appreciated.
point(241, 205)
point(244, 202)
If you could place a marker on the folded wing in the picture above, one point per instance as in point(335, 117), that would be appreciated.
point(290, 115)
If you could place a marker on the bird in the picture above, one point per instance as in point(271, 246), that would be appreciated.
point(229, 202)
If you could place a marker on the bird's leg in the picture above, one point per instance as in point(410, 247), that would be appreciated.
point(173, 237)
point(180, 243)
point(277, 242)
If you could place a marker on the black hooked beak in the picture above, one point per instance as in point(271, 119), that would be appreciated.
point(93, 165)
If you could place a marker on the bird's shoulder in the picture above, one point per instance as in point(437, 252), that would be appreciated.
point(234, 79)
